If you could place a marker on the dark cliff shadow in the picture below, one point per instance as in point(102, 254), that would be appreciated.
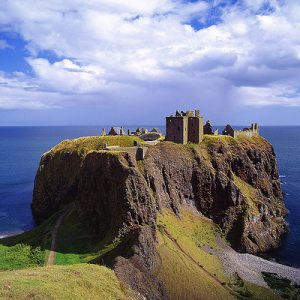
point(75, 244)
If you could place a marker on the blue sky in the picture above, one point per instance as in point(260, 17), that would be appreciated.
point(133, 62)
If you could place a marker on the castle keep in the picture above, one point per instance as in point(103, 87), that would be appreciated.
point(185, 127)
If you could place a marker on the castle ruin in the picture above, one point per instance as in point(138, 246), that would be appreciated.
point(185, 127)
point(253, 130)
point(188, 127)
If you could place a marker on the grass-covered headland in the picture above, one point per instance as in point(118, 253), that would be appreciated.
point(186, 243)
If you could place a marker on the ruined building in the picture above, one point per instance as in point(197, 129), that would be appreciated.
point(117, 131)
point(207, 128)
point(185, 127)
point(253, 130)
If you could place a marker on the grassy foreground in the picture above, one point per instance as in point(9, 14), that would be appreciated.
point(62, 282)
point(29, 249)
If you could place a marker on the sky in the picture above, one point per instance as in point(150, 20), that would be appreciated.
point(116, 62)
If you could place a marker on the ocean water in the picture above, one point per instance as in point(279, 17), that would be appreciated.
point(22, 147)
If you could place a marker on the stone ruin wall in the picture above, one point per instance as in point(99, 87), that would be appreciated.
point(249, 133)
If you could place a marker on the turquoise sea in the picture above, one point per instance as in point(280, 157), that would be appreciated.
point(22, 147)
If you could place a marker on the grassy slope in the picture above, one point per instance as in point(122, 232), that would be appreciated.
point(29, 249)
point(189, 272)
point(86, 144)
point(182, 277)
point(77, 245)
point(62, 282)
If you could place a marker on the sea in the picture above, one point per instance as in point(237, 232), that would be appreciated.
point(22, 147)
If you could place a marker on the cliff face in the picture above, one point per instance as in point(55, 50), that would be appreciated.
point(233, 182)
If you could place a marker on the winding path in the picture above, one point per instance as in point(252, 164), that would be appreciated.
point(52, 254)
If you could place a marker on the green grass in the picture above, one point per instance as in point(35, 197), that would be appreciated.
point(247, 290)
point(185, 279)
point(76, 244)
point(249, 192)
point(284, 287)
point(29, 249)
point(62, 282)
point(85, 144)
point(209, 140)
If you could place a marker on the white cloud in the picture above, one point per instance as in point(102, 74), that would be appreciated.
point(106, 46)
point(66, 76)
point(273, 95)
point(20, 92)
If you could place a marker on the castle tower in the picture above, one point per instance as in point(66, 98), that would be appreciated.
point(195, 128)
point(185, 127)
point(176, 128)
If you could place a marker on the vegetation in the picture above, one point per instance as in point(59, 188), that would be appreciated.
point(248, 192)
point(29, 249)
point(86, 144)
point(77, 245)
point(196, 271)
point(285, 288)
point(247, 290)
point(190, 240)
point(211, 139)
point(62, 282)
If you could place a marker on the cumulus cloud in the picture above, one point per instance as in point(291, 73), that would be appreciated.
point(110, 47)
point(20, 92)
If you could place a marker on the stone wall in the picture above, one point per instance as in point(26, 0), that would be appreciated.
point(136, 151)
point(195, 130)
point(185, 127)
point(176, 128)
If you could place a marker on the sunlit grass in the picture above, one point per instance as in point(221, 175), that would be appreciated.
point(62, 282)
point(85, 144)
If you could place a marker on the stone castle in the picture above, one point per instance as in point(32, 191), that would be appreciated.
point(185, 127)
point(188, 127)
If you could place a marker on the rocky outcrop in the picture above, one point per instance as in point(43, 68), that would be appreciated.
point(233, 182)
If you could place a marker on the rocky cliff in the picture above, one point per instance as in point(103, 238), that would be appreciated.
point(234, 182)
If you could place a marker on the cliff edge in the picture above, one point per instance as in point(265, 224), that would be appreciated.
point(233, 182)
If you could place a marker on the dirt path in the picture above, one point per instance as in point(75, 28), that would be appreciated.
point(52, 254)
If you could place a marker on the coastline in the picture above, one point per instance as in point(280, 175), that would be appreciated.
point(3, 236)
point(250, 267)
